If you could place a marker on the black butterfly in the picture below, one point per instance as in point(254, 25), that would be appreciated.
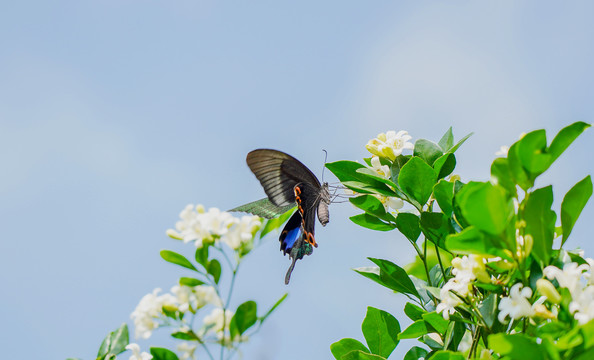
point(287, 182)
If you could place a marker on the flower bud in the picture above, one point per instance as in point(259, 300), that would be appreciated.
point(546, 288)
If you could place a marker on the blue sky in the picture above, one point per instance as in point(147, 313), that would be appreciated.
point(114, 115)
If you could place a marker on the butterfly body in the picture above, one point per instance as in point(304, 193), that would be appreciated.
point(287, 182)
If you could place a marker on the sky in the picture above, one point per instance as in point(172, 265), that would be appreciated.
point(116, 114)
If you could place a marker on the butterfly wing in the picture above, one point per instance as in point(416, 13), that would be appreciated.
point(264, 208)
point(293, 242)
point(278, 174)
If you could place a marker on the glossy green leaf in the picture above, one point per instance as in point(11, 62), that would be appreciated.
point(447, 140)
point(516, 346)
point(276, 304)
point(436, 226)
point(447, 355)
point(436, 321)
point(427, 150)
point(345, 346)
point(485, 206)
point(373, 175)
point(444, 165)
point(454, 334)
point(380, 330)
point(488, 309)
point(181, 335)
point(346, 171)
point(274, 224)
point(416, 179)
point(371, 205)
point(115, 342)
point(416, 353)
point(361, 355)
point(519, 174)
point(214, 269)
point(540, 222)
point(394, 277)
point(414, 330)
point(565, 137)
point(371, 222)
point(366, 188)
point(178, 259)
point(408, 225)
point(532, 152)
point(397, 165)
point(163, 354)
point(372, 273)
point(201, 255)
point(413, 311)
point(472, 241)
point(573, 203)
point(187, 281)
point(587, 331)
point(501, 172)
point(244, 318)
point(459, 143)
point(443, 192)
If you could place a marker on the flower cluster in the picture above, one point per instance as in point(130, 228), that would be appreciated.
point(153, 309)
point(198, 225)
point(389, 145)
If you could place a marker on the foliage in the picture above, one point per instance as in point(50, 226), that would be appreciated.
point(491, 278)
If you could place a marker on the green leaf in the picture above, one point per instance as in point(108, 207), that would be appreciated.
point(447, 355)
point(443, 192)
point(501, 172)
point(214, 269)
point(163, 354)
point(416, 179)
point(276, 304)
point(371, 205)
point(414, 330)
point(274, 224)
point(445, 165)
point(371, 273)
point(462, 141)
point(516, 346)
point(397, 165)
point(573, 203)
point(565, 137)
point(436, 321)
point(244, 318)
point(587, 331)
point(345, 346)
point(447, 140)
point(488, 309)
point(201, 255)
point(380, 330)
point(414, 312)
point(360, 355)
point(540, 222)
point(346, 172)
point(427, 150)
point(394, 277)
point(365, 188)
point(189, 336)
point(485, 206)
point(519, 175)
point(371, 222)
point(532, 152)
point(416, 353)
point(115, 342)
point(187, 281)
point(408, 225)
point(178, 259)
point(436, 226)
point(472, 241)
point(373, 175)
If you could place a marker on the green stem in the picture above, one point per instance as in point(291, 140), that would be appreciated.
point(445, 279)
point(423, 260)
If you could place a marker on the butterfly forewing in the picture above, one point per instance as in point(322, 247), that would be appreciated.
point(279, 173)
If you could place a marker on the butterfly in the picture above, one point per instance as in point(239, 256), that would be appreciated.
point(288, 183)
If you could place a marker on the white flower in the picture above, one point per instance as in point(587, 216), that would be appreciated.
point(390, 202)
point(381, 170)
point(242, 231)
point(502, 151)
point(198, 225)
point(215, 320)
point(186, 350)
point(450, 295)
point(582, 305)
point(194, 298)
point(148, 311)
point(136, 355)
point(469, 268)
point(569, 277)
point(206, 294)
point(517, 304)
point(390, 145)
